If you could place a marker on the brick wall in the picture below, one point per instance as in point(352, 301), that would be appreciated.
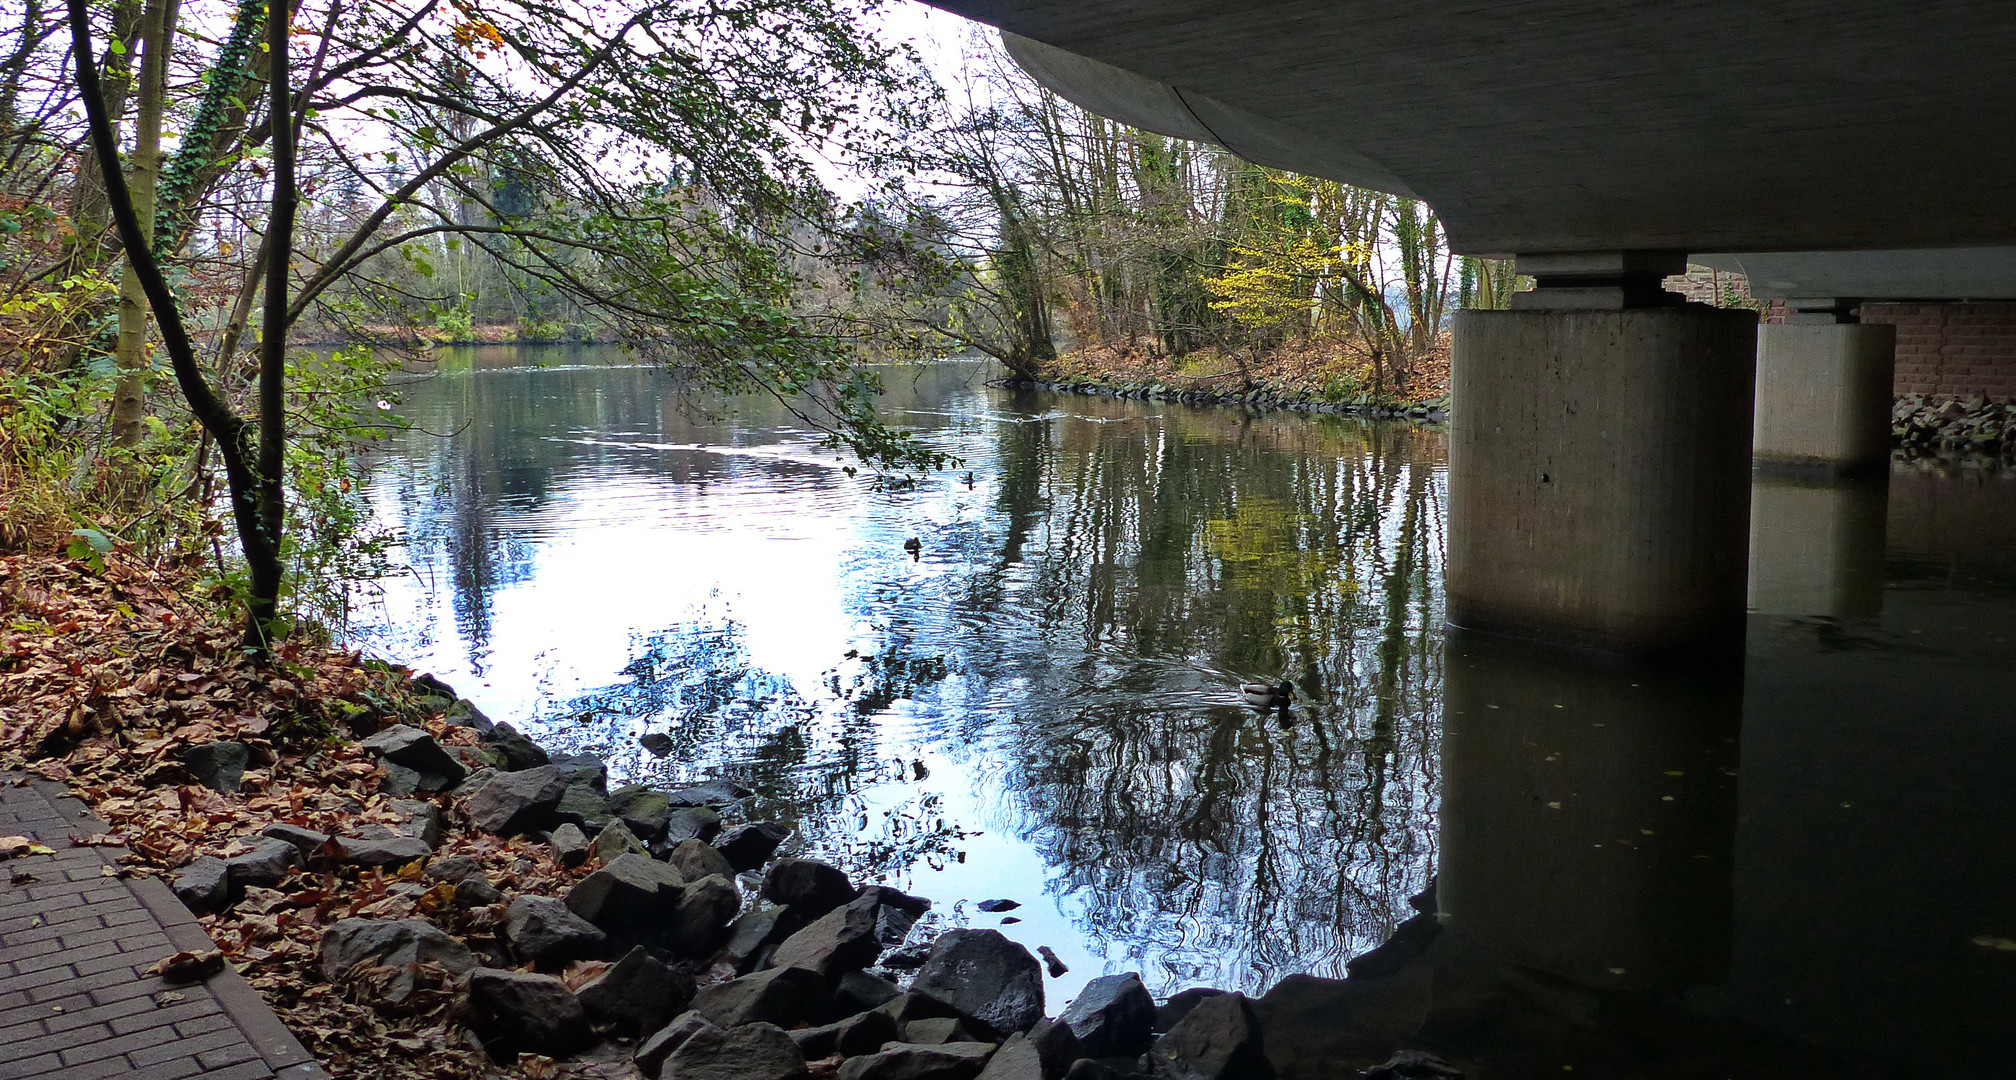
point(1960, 349)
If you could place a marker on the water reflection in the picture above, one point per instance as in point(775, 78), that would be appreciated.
point(1041, 705)
point(1816, 546)
point(1789, 868)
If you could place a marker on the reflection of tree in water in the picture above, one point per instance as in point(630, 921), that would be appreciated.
point(1222, 843)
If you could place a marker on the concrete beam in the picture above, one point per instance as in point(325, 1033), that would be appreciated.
point(1555, 125)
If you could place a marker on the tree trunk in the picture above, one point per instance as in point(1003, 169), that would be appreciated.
point(267, 569)
point(129, 395)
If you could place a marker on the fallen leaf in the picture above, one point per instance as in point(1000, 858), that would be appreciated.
point(15, 846)
point(188, 967)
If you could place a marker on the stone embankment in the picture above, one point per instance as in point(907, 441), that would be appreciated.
point(684, 947)
point(1434, 410)
point(1928, 425)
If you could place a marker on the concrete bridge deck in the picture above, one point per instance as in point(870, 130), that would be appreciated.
point(75, 946)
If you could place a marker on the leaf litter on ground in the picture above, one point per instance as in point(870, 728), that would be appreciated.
point(108, 676)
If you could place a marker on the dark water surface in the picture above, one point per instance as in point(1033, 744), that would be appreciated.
point(1803, 863)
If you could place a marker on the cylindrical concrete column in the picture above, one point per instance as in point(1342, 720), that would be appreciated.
point(1599, 477)
point(1823, 395)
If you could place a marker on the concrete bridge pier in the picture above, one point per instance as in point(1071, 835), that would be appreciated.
point(1599, 462)
point(1824, 391)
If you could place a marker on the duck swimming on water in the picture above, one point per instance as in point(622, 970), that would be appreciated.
point(1262, 695)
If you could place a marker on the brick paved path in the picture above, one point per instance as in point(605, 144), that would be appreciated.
point(74, 943)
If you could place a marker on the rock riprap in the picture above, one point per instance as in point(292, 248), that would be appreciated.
point(399, 944)
point(1112, 1017)
point(637, 994)
point(546, 932)
point(518, 802)
point(985, 978)
point(519, 1011)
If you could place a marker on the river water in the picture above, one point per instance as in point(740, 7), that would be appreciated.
point(1810, 849)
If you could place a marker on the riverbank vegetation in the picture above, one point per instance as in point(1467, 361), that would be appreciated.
point(1122, 255)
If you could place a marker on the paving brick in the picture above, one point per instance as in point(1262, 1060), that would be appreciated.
point(158, 1017)
point(23, 1029)
point(72, 955)
point(223, 1057)
point(211, 1021)
point(73, 946)
point(199, 1045)
point(251, 1070)
point(39, 1065)
point(101, 1014)
point(180, 1068)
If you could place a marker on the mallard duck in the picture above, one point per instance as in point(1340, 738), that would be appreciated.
point(1262, 695)
point(914, 546)
point(967, 479)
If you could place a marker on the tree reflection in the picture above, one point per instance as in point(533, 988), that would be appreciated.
point(1072, 640)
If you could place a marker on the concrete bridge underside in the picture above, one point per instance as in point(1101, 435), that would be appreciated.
point(1836, 152)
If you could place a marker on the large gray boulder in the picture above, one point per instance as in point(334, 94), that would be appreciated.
point(544, 931)
point(695, 859)
point(781, 996)
point(862, 1033)
point(204, 885)
point(265, 865)
point(517, 1011)
point(585, 805)
point(518, 802)
point(615, 841)
point(217, 765)
point(587, 769)
point(910, 1061)
point(1044, 1052)
point(810, 887)
point(397, 944)
point(634, 896)
point(520, 752)
point(306, 841)
point(898, 913)
point(860, 990)
point(652, 1052)
point(840, 941)
point(570, 845)
point(1218, 1039)
point(753, 1052)
point(637, 995)
point(472, 886)
point(464, 713)
point(418, 818)
point(985, 978)
point(391, 851)
point(1179, 1005)
point(747, 847)
point(403, 744)
point(701, 917)
point(756, 934)
point(687, 823)
point(645, 811)
point(1114, 1016)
